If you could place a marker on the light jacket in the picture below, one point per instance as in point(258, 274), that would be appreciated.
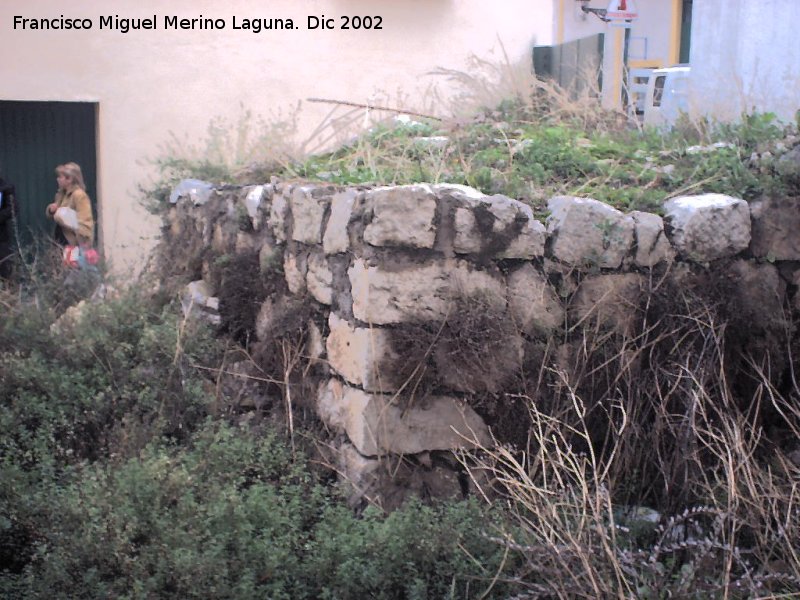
point(77, 200)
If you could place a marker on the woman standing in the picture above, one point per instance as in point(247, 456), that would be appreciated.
point(77, 223)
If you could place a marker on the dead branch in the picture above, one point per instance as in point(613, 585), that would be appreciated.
point(373, 107)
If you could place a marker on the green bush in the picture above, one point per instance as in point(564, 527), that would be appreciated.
point(121, 364)
point(232, 515)
point(119, 482)
point(96, 388)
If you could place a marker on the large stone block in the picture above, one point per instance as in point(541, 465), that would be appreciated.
point(269, 259)
point(586, 232)
point(376, 425)
point(457, 190)
point(255, 200)
point(362, 476)
point(788, 165)
point(198, 300)
point(247, 242)
point(389, 483)
point(336, 239)
point(498, 226)
point(759, 294)
point(223, 239)
point(319, 278)
point(708, 226)
point(401, 216)
point(652, 245)
point(308, 213)
point(417, 292)
point(362, 355)
point(315, 346)
point(776, 228)
point(611, 301)
point(295, 269)
point(532, 302)
point(278, 216)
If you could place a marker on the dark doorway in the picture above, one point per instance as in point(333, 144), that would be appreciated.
point(686, 31)
point(35, 137)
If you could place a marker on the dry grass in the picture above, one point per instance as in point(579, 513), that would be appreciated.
point(656, 420)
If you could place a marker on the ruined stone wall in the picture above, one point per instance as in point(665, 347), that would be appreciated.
point(383, 269)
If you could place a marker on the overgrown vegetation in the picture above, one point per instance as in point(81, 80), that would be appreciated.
point(657, 462)
point(537, 143)
point(126, 474)
point(515, 152)
point(660, 418)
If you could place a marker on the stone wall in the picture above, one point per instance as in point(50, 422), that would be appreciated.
point(382, 269)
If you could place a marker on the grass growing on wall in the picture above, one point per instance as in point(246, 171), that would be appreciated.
point(640, 469)
point(512, 152)
point(532, 146)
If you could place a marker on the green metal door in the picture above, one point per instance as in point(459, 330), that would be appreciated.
point(35, 137)
point(573, 65)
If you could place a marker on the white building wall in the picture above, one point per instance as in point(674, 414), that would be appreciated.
point(745, 56)
point(150, 84)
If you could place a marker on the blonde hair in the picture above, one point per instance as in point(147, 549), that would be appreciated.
point(73, 172)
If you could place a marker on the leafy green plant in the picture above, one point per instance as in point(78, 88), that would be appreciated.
point(233, 515)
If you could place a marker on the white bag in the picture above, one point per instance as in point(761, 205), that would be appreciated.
point(66, 217)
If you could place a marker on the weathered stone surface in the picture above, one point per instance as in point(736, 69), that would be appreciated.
point(308, 213)
point(499, 226)
point(198, 300)
point(532, 302)
point(586, 232)
point(377, 426)
point(759, 323)
point(458, 190)
point(361, 476)
point(468, 239)
point(776, 228)
point(295, 268)
point(319, 278)
point(465, 370)
point(759, 293)
point(196, 191)
point(336, 239)
point(564, 277)
point(529, 243)
point(424, 292)
point(223, 240)
point(611, 301)
point(247, 242)
point(709, 226)
point(269, 258)
point(401, 216)
point(788, 165)
point(388, 483)
point(173, 222)
point(315, 347)
point(203, 226)
point(278, 214)
point(268, 315)
point(256, 197)
point(652, 245)
point(361, 355)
